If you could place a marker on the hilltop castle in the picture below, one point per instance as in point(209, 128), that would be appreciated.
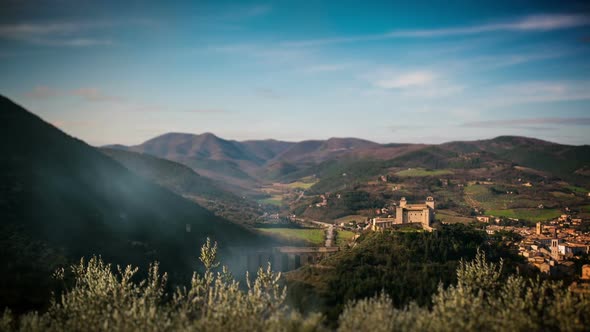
point(408, 214)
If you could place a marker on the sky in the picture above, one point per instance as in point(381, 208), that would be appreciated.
point(390, 71)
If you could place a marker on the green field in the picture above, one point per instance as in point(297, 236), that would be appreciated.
point(526, 214)
point(481, 196)
point(311, 235)
point(343, 237)
point(560, 194)
point(276, 200)
point(301, 185)
point(577, 190)
point(452, 217)
point(419, 172)
point(350, 218)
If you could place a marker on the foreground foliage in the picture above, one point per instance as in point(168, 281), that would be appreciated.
point(482, 299)
point(103, 300)
point(409, 266)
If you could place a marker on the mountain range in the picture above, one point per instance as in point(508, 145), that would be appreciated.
point(62, 199)
point(249, 163)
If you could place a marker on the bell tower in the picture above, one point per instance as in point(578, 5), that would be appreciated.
point(430, 202)
point(403, 202)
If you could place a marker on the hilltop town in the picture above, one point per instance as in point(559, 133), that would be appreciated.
point(553, 247)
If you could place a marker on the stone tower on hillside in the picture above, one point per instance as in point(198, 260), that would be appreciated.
point(415, 213)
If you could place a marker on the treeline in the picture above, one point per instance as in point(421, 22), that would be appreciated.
point(483, 297)
point(409, 266)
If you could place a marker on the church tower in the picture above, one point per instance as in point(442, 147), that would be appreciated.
point(555, 249)
point(403, 202)
point(430, 202)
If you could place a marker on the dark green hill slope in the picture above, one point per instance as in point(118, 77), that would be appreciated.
point(212, 156)
point(172, 175)
point(266, 149)
point(61, 199)
point(557, 159)
point(407, 265)
point(184, 181)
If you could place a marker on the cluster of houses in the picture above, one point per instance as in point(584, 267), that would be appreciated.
point(552, 247)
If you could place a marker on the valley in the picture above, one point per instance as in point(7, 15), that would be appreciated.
point(317, 166)
point(359, 180)
point(315, 210)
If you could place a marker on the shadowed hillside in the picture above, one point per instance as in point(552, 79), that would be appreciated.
point(184, 181)
point(230, 161)
point(561, 160)
point(62, 199)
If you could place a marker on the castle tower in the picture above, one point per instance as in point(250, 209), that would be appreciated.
point(403, 202)
point(539, 228)
point(555, 249)
point(430, 202)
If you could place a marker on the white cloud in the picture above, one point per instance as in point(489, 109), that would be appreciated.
point(535, 23)
point(418, 78)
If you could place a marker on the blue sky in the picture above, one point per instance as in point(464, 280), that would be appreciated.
point(423, 72)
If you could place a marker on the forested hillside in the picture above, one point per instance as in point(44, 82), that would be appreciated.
point(61, 199)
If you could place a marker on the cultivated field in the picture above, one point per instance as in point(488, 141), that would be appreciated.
point(343, 237)
point(312, 235)
point(526, 214)
point(419, 172)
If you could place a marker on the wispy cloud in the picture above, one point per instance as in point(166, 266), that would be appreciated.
point(529, 122)
point(72, 34)
point(42, 92)
point(267, 53)
point(69, 33)
point(535, 23)
point(94, 95)
point(405, 80)
point(268, 93)
point(409, 84)
point(86, 94)
point(257, 10)
point(207, 111)
point(506, 60)
point(322, 68)
point(543, 91)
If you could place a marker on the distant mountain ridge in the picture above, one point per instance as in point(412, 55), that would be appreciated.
point(251, 162)
point(244, 163)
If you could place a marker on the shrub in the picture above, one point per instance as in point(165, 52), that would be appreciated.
point(103, 300)
point(480, 301)
point(107, 299)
